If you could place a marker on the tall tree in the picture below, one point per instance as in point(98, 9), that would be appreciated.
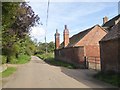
point(17, 20)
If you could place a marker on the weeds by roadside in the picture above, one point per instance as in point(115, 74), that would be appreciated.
point(109, 77)
point(23, 59)
point(49, 58)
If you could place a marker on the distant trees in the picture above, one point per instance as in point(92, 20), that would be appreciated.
point(17, 19)
point(41, 49)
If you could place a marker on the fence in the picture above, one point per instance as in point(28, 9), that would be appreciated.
point(93, 63)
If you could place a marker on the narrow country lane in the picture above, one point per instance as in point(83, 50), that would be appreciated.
point(38, 74)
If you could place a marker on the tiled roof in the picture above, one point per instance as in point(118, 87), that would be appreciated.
point(113, 34)
point(77, 37)
point(111, 22)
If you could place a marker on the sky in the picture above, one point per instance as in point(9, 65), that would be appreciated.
point(78, 16)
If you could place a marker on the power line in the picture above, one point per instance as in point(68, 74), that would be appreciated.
point(47, 24)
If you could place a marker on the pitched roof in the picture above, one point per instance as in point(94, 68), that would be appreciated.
point(111, 22)
point(77, 37)
point(113, 34)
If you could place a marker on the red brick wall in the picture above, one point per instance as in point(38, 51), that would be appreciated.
point(109, 54)
point(66, 38)
point(92, 53)
point(57, 41)
point(74, 55)
point(92, 50)
point(119, 54)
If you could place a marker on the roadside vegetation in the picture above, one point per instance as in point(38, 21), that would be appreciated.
point(109, 77)
point(17, 45)
point(49, 58)
point(22, 59)
point(17, 20)
point(8, 71)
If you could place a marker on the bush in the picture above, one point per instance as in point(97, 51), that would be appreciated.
point(3, 59)
point(13, 60)
point(28, 51)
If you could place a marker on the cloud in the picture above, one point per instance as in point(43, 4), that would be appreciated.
point(38, 33)
point(78, 16)
point(73, 0)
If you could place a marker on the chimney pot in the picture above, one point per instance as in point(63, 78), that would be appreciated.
point(66, 36)
point(57, 39)
point(105, 19)
point(65, 26)
point(56, 30)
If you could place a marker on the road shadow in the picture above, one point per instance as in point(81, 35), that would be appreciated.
point(86, 77)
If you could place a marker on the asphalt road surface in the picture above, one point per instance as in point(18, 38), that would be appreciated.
point(38, 74)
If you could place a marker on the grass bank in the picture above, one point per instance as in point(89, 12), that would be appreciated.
point(49, 58)
point(22, 59)
point(109, 77)
point(8, 71)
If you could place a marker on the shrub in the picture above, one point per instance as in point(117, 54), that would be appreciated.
point(28, 51)
point(13, 60)
point(3, 59)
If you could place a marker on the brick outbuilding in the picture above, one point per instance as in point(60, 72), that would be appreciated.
point(110, 49)
point(80, 47)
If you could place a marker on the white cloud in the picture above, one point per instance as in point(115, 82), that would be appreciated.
point(38, 33)
point(77, 16)
point(73, 0)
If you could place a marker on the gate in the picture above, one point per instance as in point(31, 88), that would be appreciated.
point(93, 62)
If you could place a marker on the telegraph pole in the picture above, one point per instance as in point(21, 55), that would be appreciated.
point(46, 27)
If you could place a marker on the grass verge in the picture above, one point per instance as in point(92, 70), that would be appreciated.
point(8, 71)
point(23, 59)
point(109, 77)
point(49, 58)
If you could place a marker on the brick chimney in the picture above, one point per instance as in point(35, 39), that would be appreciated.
point(105, 19)
point(66, 36)
point(57, 40)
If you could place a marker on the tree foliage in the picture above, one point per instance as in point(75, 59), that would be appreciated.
point(17, 19)
point(41, 49)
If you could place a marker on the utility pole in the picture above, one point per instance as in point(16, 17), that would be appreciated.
point(46, 27)
point(45, 45)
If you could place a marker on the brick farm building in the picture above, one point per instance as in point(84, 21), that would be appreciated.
point(80, 48)
point(110, 46)
point(97, 47)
